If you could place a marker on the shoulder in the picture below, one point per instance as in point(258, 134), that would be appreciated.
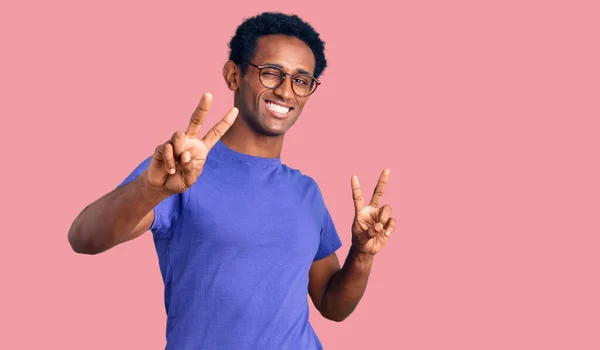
point(299, 176)
point(306, 182)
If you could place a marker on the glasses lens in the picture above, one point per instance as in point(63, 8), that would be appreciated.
point(304, 85)
point(271, 77)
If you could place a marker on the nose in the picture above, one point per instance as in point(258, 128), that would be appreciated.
point(284, 90)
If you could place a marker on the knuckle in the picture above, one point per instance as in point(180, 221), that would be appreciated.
point(178, 135)
point(196, 120)
point(217, 132)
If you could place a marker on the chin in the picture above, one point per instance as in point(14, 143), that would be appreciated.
point(270, 127)
point(272, 132)
point(261, 127)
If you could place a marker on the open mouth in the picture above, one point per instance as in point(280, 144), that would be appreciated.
point(277, 108)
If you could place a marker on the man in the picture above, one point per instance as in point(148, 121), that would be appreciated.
point(242, 238)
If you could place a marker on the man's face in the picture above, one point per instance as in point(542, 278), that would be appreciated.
point(272, 112)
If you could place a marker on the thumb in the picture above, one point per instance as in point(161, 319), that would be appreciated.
point(374, 230)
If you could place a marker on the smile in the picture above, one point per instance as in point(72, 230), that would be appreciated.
point(277, 108)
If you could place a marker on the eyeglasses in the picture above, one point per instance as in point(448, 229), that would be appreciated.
point(272, 77)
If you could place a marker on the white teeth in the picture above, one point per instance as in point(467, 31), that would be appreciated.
point(277, 108)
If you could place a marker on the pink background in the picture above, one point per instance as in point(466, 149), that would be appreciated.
point(486, 113)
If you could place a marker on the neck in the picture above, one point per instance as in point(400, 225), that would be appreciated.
point(242, 138)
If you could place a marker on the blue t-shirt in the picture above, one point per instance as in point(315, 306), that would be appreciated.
point(235, 251)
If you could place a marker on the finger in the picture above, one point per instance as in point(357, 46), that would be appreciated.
point(168, 158)
point(215, 134)
point(357, 194)
point(186, 156)
point(390, 227)
point(164, 153)
point(378, 192)
point(198, 116)
point(189, 173)
point(196, 149)
point(374, 230)
point(178, 142)
point(384, 214)
point(186, 166)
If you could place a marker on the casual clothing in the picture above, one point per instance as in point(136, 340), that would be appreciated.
point(235, 251)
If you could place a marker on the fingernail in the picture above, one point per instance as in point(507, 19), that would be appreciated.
point(378, 227)
point(172, 171)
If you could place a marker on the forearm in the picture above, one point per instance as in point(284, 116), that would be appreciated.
point(347, 286)
point(113, 217)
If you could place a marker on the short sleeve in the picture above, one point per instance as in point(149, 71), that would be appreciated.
point(330, 240)
point(167, 212)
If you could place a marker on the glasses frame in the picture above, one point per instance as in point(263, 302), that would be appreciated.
point(285, 75)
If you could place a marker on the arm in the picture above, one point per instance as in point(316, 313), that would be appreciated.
point(336, 291)
point(115, 218)
point(127, 212)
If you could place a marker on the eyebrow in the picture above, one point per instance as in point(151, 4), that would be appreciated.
point(299, 70)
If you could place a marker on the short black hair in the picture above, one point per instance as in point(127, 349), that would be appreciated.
point(243, 44)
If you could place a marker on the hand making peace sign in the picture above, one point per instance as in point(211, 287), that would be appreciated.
point(177, 163)
point(372, 224)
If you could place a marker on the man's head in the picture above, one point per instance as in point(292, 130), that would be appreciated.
point(270, 101)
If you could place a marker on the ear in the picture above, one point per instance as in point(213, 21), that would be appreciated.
point(231, 74)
